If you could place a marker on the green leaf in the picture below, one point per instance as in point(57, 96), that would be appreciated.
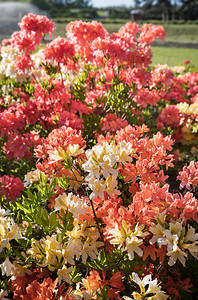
point(44, 216)
point(29, 232)
point(75, 275)
point(63, 182)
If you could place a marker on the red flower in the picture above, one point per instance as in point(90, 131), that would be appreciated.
point(41, 291)
point(11, 187)
point(23, 63)
point(60, 50)
point(39, 24)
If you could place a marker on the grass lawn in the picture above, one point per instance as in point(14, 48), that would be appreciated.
point(181, 33)
point(173, 56)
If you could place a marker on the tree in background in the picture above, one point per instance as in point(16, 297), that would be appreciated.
point(189, 9)
point(44, 4)
point(72, 3)
point(164, 7)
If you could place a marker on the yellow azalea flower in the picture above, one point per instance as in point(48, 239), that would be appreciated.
point(97, 187)
point(6, 267)
point(36, 250)
point(111, 184)
point(158, 233)
point(119, 234)
point(191, 235)
point(8, 229)
point(124, 236)
point(91, 244)
point(48, 252)
point(73, 248)
point(63, 274)
point(176, 253)
point(60, 202)
point(118, 238)
point(3, 295)
point(132, 245)
point(147, 286)
point(74, 150)
point(31, 177)
point(57, 154)
point(71, 202)
point(175, 228)
point(192, 248)
point(122, 152)
point(77, 232)
point(138, 230)
point(100, 166)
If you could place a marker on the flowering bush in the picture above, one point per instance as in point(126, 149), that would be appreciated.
point(98, 169)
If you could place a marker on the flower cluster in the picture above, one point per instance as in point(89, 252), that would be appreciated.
point(175, 237)
point(8, 229)
point(101, 159)
point(98, 166)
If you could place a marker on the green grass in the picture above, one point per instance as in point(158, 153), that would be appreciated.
point(181, 33)
point(173, 56)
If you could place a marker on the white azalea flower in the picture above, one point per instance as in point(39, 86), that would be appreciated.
point(31, 177)
point(148, 286)
point(6, 267)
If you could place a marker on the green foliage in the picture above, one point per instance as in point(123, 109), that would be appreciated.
point(33, 209)
point(13, 167)
point(75, 275)
point(50, 69)
point(91, 123)
point(100, 263)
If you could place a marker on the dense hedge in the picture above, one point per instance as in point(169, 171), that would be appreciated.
point(98, 164)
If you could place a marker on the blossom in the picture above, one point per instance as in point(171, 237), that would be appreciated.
point(31, 177)
point(64, 274)
point(11, 187)
point(3, 295)
point(175, 237)
point(60, 50)
point(128, 239)
point(6, 267)
point(132, 245)
point(85, 32)
point(14, 270)
point(149, 33)
point(101, 159)
point(73, 203)
point(91, 244)
point(48, 251)
point(148, 286)
point(189, 175)
point(25, 41)
point(39, 24)
point(23, 63)
point(8, 230)
point(175, 252)
point(170, 116)
point(131, 28)
point(39, 291)
point(112, 123)
point(61, 154)
point(7, 64)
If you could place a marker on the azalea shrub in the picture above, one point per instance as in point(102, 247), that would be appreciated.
point(98, 167)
